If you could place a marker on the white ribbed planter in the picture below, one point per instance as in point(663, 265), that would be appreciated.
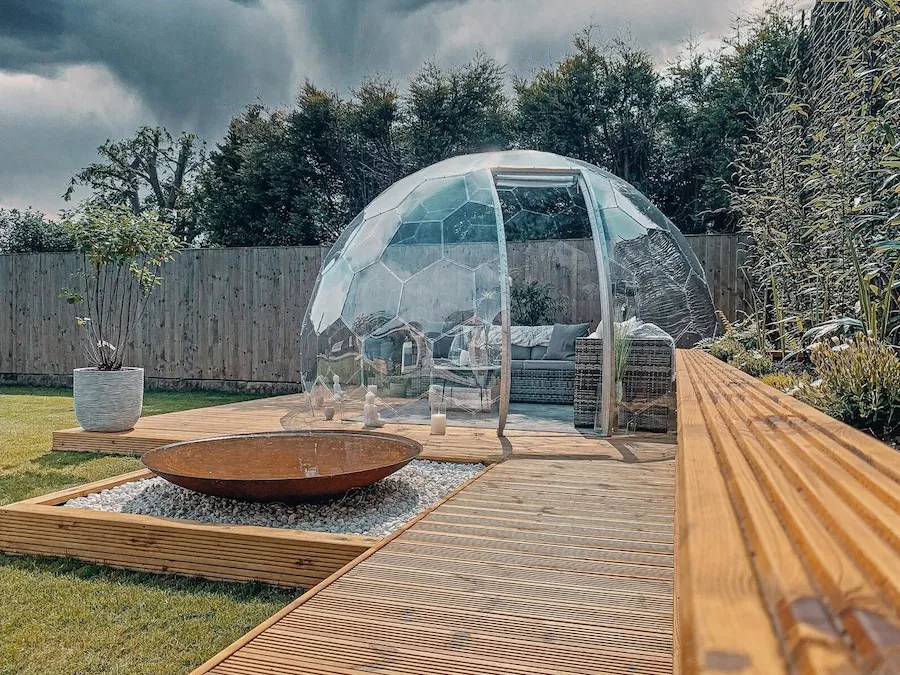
point(108, 400)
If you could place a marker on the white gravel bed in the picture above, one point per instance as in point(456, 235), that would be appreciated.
point(376, 510)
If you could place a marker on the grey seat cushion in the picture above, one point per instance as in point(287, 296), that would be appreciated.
point(547, 364)
point(562, 341)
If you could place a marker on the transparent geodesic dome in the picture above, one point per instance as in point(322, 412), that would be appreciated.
point(422, 266)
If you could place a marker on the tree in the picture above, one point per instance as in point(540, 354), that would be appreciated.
point(297, 177)
point(152, 170)
point(692, 167)
point(252, 191)
point(629, 95)
point(710, 106)
point(457, 111)
point(30, 232)
point(558, 110)
point(598, 105)
point(373, 157)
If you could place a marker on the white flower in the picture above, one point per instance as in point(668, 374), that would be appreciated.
point(840, 348)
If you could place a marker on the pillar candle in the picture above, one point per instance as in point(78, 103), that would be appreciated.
point(438, 424)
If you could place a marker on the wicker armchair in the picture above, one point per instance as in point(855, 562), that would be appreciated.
point(648, 385)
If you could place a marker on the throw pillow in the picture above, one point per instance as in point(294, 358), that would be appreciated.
point(520, 353)
point(441, 347)
point(562, 341)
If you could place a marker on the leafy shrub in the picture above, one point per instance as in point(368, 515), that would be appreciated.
point(753, 362)
point(30, 232)
point(786, 382)
point(859, 383)
point(726, 348)
point(741, 347)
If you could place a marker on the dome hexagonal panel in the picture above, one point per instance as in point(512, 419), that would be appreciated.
point(405, 260)
point(371, 238)
point(338, 353)
point(470, 235)
point(330, 294)
point(444, 292)
point(434, 199)
point(374, 293)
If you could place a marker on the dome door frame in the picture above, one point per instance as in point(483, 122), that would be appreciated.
point(548, 177)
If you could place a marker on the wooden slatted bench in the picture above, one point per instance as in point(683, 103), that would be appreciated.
point(787, 534)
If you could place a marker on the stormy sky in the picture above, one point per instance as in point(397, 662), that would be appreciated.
point(76, 72)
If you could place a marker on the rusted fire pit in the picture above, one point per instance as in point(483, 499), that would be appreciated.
point(290, 466)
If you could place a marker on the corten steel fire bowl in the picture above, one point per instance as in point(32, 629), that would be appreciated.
point(287, 466)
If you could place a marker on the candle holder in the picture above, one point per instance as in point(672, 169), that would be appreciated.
point(438, 418)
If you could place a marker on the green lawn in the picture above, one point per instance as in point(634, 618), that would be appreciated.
point(64, 616)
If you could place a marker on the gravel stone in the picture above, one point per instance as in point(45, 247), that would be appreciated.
point(376, 510)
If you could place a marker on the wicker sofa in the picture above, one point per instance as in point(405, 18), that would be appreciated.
point(533, 378)
point(647, 401)
point(537, 380)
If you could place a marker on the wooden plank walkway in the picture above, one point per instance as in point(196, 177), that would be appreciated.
point(539, 566)
point(788, 533)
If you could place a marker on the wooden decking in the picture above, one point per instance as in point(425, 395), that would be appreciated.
point(132, 541)
point(461, 444)
point(559, 559)
point(540, 566)
point(788, 556)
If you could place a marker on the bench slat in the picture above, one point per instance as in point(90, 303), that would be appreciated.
point(807, 629)
point(817, 517)
point(722, 621)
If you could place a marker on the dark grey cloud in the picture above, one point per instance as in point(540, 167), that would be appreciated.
point(75, 72)
point(190, 61)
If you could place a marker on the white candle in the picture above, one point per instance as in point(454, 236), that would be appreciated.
point(438, 424)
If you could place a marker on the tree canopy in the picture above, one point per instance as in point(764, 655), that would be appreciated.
point(152, 170)
point(297, 175)
point(29, 231)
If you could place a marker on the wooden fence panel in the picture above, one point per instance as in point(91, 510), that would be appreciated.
point(235, 315)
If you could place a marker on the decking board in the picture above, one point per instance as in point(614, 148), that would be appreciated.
point(39, 526)
point(460, 444)
point(523, 598)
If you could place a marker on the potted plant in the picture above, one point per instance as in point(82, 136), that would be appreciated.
point(121, 254)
